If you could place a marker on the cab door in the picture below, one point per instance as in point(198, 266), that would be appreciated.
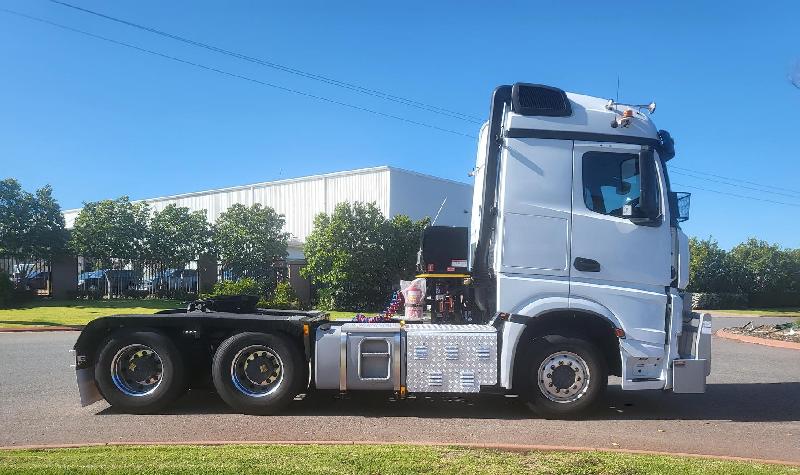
point(615, 262)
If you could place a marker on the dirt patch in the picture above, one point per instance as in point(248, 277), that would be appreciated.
point(783, 331)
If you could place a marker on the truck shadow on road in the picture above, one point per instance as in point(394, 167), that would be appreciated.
point(760, 402)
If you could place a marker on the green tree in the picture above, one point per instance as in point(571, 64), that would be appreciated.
point(250, 241)
point(710, 268)
point(48, 236)
point(355, 255)
point(405, 239)
point(31, 224)
point(177, 236)
point(111, 231)
point(763, 267)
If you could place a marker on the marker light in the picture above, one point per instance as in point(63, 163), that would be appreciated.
point(627, 114)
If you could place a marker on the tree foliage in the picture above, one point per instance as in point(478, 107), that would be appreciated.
point(710, 268)
point(112, 231)
point(753, 267)
point(250, 240)
point(31, 224)
point(177, 236)
point(765, 268)
point(355, 255)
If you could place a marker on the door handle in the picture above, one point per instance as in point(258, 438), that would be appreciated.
point(586, 265)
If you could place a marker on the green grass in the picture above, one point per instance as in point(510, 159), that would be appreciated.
point(77, 312)
point(381, 459)
point(761, 312)
point(345, 314)
point(81, 312)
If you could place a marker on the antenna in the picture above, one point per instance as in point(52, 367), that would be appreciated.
point(617, 99)
point(440, 210)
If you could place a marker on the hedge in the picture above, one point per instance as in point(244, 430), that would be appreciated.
point(708, 301)
point(775, 299)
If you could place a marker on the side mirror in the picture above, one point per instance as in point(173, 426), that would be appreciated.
point(647, 212)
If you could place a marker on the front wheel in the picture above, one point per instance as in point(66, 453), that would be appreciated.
point(566, 377)
point(257, 373)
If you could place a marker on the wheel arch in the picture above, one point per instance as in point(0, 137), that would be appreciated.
point(599, 328)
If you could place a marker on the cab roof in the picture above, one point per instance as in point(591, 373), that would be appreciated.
point(575, 116)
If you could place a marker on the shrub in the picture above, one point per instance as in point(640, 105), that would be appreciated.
point(709, 301)
point(245, 286)
point(775, 299)
point(284, 298)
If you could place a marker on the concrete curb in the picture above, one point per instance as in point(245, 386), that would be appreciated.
point(492, 446)
point(758, 341)
point(40, 329)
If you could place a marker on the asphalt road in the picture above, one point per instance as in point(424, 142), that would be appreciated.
point(751, 409)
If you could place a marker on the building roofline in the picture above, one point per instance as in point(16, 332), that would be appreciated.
point(358, 171)
point(425, 175)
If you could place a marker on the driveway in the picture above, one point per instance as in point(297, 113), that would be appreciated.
point(751, 409)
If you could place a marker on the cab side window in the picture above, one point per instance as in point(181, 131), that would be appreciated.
point(610, 181)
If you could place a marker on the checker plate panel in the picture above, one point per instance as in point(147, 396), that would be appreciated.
point(450, 358)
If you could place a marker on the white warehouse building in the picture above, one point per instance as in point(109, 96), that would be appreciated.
point(393, 190)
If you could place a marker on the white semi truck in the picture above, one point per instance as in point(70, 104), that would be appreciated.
point(573, 269)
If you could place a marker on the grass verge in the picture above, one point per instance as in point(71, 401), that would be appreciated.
point(760, 312)
point(381, 459)
point(47, 313)
point(77, 312)
point(345, 314)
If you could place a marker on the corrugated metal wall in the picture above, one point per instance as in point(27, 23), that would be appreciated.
point(299, 200)
point(418, 196)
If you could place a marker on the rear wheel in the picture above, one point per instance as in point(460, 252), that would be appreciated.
point(566, 376)
point(140, 372)
point(257, 373)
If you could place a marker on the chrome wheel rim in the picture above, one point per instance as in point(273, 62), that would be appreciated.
point(563, 377)
point(137, 370)
point(257, 371)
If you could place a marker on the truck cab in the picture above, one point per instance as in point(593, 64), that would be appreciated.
point(575, 224)
point(574, 269)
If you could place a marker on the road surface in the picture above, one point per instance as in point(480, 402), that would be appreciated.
point(751, 409)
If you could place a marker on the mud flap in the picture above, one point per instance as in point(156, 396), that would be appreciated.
point(87, 387)
point(689, 376)
point(695, 340)
point(690, 370)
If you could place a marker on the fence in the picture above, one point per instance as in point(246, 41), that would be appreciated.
point(138, 279)
point(125, 278)
point(32, 276)
point(132, 278)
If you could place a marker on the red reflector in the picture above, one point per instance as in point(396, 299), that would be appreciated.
point(619, 332)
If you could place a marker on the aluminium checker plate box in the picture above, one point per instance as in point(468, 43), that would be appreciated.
point(450, 358)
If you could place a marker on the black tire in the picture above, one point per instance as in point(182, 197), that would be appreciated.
point(570, 349)
point(237, 388)
point(123, 396)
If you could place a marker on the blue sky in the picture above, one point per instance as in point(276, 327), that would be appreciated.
point(96, 120)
